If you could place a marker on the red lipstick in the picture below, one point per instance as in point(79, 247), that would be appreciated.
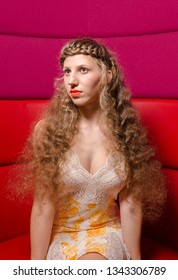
point(75, 93)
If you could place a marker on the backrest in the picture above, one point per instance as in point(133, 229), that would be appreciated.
point(143, 35)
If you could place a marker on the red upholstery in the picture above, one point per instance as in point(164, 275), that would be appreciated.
point(14, 214)
point(160, 117)
point(16, 249)
point(154, 250)
point(20, 120)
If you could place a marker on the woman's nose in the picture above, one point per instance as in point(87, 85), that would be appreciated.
point(73, 80)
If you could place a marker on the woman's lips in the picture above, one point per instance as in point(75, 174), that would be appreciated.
point(75, 93)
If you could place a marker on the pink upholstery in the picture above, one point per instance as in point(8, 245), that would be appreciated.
point(149, 62)
point(144, 36)
point(66, 19)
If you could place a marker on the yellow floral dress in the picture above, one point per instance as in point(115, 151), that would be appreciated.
point(87, 217)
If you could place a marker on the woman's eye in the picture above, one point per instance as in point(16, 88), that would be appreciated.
point(84, 70)
point(66, 72)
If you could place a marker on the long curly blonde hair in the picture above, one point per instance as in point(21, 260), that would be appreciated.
point(52, 139)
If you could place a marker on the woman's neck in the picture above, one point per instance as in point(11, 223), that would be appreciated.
point(89, 115)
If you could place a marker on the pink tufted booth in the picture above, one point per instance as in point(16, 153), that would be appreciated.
point(145, 38)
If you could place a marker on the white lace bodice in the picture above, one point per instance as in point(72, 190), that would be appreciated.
point(87, 188)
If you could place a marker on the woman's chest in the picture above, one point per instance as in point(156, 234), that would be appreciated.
point(92, 150)
point(105, 182)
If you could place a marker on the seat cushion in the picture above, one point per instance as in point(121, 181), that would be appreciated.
point(153, 250)
point(16, 249)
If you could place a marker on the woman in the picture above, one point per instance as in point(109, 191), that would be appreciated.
point(95, 173)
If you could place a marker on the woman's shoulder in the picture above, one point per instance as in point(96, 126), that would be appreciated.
point(38, 129)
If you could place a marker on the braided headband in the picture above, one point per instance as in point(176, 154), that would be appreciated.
point(87, 47)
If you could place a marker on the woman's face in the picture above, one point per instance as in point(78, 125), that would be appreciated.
point(82, 77)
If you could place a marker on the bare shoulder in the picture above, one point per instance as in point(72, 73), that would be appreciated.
point(38, 129)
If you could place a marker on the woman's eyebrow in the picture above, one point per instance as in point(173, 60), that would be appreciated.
point(78, 66)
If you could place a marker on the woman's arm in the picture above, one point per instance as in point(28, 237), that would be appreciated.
point(131, 222)
point(42, 217)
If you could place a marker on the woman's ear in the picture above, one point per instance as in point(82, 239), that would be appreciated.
point(109, 76)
